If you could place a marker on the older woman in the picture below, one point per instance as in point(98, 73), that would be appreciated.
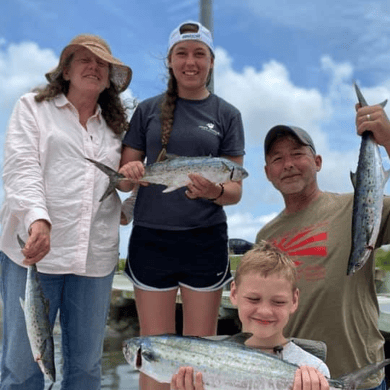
point(52, 202)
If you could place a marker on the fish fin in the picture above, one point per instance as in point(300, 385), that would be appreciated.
point(360, 96)
point(353, 380)
point(239, 338)
point(47, 306)
point(127, 209)
point(362, 100)
point(103, 167)
point(170, 189)
point(386, 175)
point(171, 156)
point(110, 189)
point(20, 241)
point(21, 303)
point(353, 178)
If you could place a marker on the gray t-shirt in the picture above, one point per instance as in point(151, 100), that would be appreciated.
point(208, 127)
point(292, 353)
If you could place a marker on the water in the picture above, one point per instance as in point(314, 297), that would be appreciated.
point(117, 374)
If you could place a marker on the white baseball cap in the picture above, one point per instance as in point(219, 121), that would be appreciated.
point(202, 35)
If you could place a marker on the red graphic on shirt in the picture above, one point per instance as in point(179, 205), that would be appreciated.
point(304, 243)
point(300, 243)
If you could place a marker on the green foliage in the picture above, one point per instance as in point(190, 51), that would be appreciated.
point(121, 265)
point(234, 261)
point(382, 259)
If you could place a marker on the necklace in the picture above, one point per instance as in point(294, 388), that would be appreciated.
point(277, 349)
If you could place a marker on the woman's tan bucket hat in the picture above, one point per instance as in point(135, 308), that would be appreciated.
point(120, 73)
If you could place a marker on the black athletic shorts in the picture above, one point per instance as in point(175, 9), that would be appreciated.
point(161, 260)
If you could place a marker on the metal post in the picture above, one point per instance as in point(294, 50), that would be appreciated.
point(206, 18)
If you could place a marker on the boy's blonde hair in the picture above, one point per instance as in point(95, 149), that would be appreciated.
point(266, 259)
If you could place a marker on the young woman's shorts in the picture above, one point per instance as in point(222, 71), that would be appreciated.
point(162, 260)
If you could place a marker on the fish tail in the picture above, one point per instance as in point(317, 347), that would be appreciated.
point(110, 189)
point(356, 378)
point(113, 176)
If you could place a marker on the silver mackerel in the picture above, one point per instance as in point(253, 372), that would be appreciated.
point(173, 172)
point(36, 312)
point(368, 181)
point(225, 365)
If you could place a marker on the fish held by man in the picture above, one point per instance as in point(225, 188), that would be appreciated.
point(173, 172)
point(225, 365)
point(36, 312)
point(368, 182)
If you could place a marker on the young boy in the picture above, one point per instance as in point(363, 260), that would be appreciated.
point(265, 293)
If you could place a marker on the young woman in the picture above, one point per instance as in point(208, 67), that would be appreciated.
point(179, 239)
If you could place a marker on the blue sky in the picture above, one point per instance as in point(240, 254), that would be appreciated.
point(280, 62)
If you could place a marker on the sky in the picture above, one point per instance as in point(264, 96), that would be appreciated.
point(282, 62)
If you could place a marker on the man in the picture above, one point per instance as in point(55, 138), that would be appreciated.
point(315, 230)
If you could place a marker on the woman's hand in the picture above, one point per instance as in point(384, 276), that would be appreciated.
point(38, 243)
point(133, 170)
point(132, 167)
point(184, 380)
point(309, 378)
point(199, 187)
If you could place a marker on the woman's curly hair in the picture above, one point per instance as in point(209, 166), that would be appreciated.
point(113, 109)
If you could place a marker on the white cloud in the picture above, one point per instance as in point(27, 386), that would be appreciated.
point(267, 97)
point(246, 225)
point(22, 67)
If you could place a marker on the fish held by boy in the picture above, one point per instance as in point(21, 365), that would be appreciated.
point(368, 182)
point(225, 365)
point(36, 312)
point(174, 170)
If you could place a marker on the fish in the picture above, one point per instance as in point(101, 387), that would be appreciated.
point(225, 365)
point(127, 210)
point(368, 182)
point(173, 172)
point(36, 313)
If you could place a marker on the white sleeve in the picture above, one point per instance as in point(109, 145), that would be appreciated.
point(22, 173)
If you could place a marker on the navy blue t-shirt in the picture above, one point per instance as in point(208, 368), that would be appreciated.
point(208, 127)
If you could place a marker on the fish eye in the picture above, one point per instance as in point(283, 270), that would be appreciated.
point(149, 356)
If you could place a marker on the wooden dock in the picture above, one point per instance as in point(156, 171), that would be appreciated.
point(122, 283)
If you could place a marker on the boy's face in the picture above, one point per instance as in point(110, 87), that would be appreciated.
point(264, 306)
